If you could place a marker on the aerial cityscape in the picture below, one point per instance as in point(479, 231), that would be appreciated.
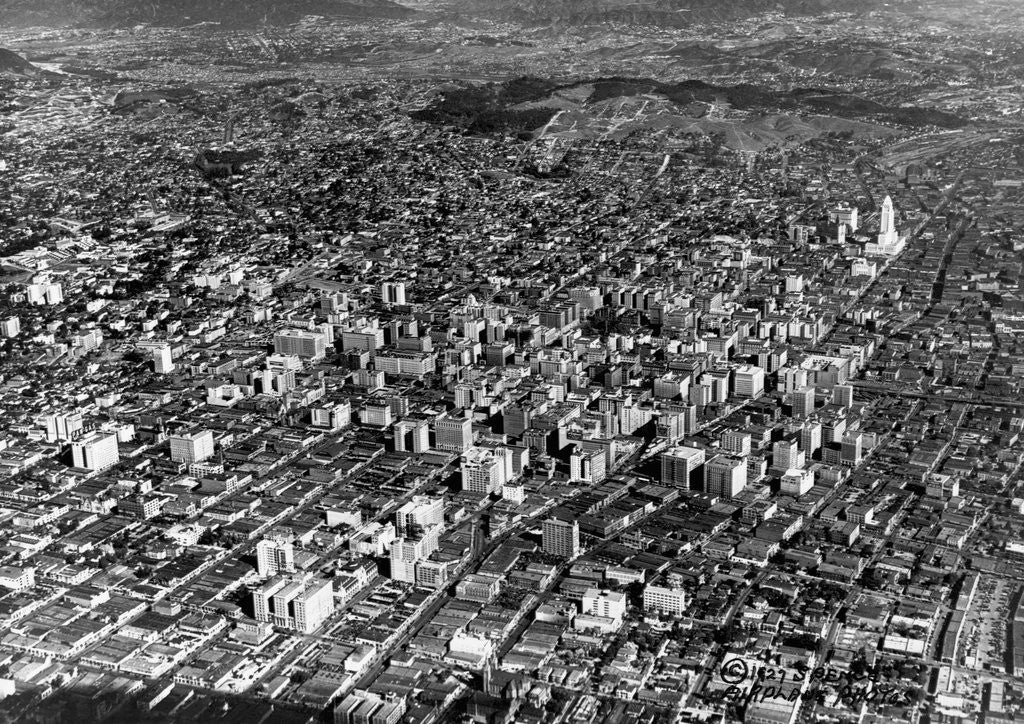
point(372, 362)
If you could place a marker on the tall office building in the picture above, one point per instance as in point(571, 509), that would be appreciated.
point(62, 426)
point(668, 601)
point(96, 451)
point(10, 327)
point(736, 442)
point(192, 447)
point(301, 343)
point(725, 476)
point(680, 464)
point(160, 352)
point(453, 434)
point(587, 465)
point(412, 436)
point(561, 538)
point(810, 438)
point(275, 553)
point(803, 402)
point(786, 454)
point(605, 604)
point(333, 415)
point(393, 292)
point(162, 362)
point(845, 216)
point(298, 603)
point(843, 395)
point(748, 381)
point(406, 553)
point(852, 449)
point(485, 470)
point(797, 482)
point(419, 514)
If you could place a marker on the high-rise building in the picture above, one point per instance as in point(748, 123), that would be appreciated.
point(407, 552)
point(453, 434)
point(393, 292)
point(332, 415)
point(10, 327)
point(519, 417)
point(276, 553)
point(561, 537)
point(845, 216)
point(810, 438)
point(680, 464)
point(485, 470)
point(803, 402)
point(587, 465)
point(786, 454)
point(797, 482)
point(606, 604)
point(748, 381)
point(412, 436)
point(96, 451)
point(298, 603)
point(669, 601)
point(725, 476)
point(301, 343)
point(736, 442)
point(889, 242)
point(419, 514)
point(163, 363)
point(192, 447)
point(852, 449)
point(160, 352)
point(62, 426)
point(843, 395)
point(376, 413)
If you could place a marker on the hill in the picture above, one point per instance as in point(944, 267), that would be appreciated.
point(233, 13)
point(662, 13)
point(13, 64)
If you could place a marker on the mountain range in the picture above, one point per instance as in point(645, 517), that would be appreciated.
point(189, 12)
point(533, 13)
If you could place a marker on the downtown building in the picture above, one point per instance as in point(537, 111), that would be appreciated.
point(299, 603)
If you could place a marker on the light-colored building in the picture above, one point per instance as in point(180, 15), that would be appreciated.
point(453, 434)
point(748, 381)
point(412, 436)
point(561, 538)
point(301, 343)
point(298, 603)
point(393, 292)
point(418, 514)
point(407, 552)
point(276, 553)
point(17, 578)
point(679, 464)
point(485, 470)
point(10, 327)
point(669, 601)
point(62, 426)
point(96, 451)
point(587, 465)
point(192, 447)
point(606, 604)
